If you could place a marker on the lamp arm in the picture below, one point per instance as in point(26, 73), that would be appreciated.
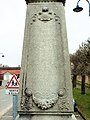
point(88, 1)
point(78, 2)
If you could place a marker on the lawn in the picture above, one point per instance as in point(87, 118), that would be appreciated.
point(83, 102)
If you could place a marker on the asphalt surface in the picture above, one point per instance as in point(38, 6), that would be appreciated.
point(5, 102)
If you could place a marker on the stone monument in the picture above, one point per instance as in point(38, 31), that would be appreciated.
point(46, 89)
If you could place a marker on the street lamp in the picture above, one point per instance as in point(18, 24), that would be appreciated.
point(2, 54)
point(79, 9)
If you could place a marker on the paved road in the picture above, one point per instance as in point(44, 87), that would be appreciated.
point(5, 102)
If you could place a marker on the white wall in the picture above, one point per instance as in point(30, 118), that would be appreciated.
point(6, 78)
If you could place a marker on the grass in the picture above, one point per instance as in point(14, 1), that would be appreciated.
point(83, 102)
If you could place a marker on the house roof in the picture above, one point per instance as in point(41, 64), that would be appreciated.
point(10, 71)
point(10, 68)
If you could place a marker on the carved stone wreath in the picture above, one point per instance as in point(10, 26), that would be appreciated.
point(45, 16)
point(45, 103)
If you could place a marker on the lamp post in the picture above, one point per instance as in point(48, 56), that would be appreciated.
point(79, 9)
point(2, 55)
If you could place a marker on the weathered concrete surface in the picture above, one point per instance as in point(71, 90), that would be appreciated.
point(46, 117)
point(8, 116)
point(46, 90)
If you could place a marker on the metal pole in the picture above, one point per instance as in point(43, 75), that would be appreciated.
point(89, 6)
point(15, 101)
point(89, 9)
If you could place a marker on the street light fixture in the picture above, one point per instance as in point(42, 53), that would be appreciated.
point(79, 9)
point(2, 54)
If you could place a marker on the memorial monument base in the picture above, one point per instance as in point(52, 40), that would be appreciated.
point(46, 117)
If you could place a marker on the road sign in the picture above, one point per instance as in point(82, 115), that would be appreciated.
point(13, 86)
point(14, 83)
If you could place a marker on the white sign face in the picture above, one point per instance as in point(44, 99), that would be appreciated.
point(12, 91)
point(14, 83)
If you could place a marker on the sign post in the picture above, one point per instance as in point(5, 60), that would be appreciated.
point(12, 88)
point(15, 101)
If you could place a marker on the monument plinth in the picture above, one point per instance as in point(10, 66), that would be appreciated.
point(46, 90)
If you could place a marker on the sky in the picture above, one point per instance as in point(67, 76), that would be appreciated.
point(12, 23)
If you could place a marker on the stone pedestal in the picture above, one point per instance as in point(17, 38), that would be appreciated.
point(46, 117)
point(46, 90)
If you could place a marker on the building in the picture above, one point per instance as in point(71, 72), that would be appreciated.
point(6, 74)
point(87, 79)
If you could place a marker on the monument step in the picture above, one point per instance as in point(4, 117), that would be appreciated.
point(6, 118)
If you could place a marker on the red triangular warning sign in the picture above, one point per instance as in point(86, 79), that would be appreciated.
point(14, 83)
